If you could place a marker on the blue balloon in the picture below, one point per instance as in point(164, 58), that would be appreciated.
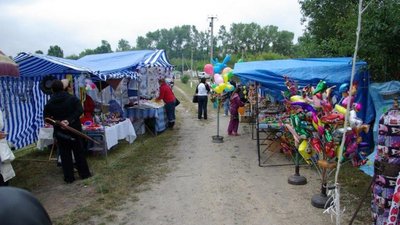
point(343, 88)
point(218, 67)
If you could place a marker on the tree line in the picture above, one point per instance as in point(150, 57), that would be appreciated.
point(330, 32)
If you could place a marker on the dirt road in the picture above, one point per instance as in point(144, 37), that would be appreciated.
point(221, 183)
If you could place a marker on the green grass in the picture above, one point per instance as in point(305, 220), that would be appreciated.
point(186, 87)
point(128, 166)
point(354, 183)
point(190, 91)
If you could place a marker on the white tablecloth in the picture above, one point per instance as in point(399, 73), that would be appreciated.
point(45, 137)
point(119, 131)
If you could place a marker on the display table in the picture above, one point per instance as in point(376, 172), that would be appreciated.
point(45, 137)
point(143, 112)
point(119, 131)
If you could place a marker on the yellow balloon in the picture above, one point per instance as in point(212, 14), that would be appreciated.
point(297, 98)
point(222, 85)
point(337, 151)
point(340, 109)
point(219, 90)
point(303, 151)
point(225, 77)
point(315, 125)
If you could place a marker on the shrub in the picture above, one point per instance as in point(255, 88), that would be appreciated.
point(185, 79)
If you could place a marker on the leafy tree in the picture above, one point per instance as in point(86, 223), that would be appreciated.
point(381, 39)
point(73, 56)
point(142, 43)
point(331, 32)
point(55, 51)
point(104, 48)
point(86, 52)
point(283, 43)
point(123, 45)
point(39, 52)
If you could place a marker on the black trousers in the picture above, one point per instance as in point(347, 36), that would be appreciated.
point(66, 148)
point(202, 109)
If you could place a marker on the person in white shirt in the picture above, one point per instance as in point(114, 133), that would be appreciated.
point(6, 156)
point(202, 91)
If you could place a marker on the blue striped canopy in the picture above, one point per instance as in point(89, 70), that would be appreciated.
point(105, 66)
point(157, 58)
point(22, 101)
point(38, 65)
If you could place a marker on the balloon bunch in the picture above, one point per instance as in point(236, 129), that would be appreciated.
point(315, 122)
point(221, 75)
point(355, 149)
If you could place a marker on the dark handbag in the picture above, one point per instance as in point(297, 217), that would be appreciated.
point(177, 102)
point(195, 99)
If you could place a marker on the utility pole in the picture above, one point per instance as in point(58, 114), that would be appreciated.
point(183, 66)
point(212, 37)
point(191, 61)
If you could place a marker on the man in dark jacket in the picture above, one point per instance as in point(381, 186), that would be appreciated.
point(67, 109)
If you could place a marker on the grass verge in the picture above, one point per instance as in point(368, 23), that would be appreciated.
point(128, 167)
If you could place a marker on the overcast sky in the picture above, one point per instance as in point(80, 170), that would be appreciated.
point(76, 25)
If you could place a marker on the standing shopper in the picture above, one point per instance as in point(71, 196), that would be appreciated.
point(227, 98)
point(67, 109)
point(202, 91)
point(235, 103)
point(169, 99)
point(6, 156)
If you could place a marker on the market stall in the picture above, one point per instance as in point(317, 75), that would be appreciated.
point(23, 99)
point(136, 93)
point(315, 93)
point(269, 77)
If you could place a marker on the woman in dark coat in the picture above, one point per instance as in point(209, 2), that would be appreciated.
point(67, 109)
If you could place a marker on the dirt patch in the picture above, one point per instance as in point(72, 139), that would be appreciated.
point(219, 183)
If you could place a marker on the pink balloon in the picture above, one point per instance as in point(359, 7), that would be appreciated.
point(209, 69)
point(346, 100)
point(218, 78)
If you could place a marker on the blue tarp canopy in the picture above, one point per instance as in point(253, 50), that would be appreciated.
point(334, 71)
point(103, 66)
